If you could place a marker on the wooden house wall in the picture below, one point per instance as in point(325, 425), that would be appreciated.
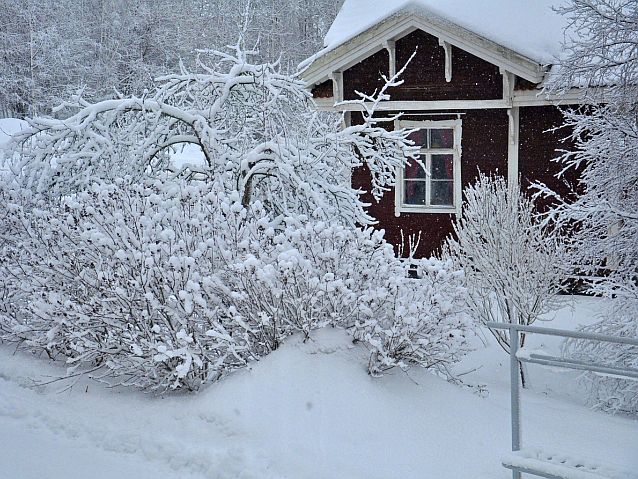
point(366, 76)
point(484, 148)
point(424, 78)
point(538, 146)
point(484, 140)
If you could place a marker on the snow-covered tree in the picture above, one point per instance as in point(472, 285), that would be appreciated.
point(253, 125)
point(603, 60)
point(51, 48)
point(512, 262)
point(601, 57)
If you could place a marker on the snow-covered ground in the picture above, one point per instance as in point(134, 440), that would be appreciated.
point(306, 411)
point(8, 127)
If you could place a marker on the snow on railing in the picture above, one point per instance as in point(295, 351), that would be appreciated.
point(544, 465)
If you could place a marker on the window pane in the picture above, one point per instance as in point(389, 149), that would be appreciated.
point(414, 193)
point(420, 138)
point(442, 193)
point(442, 138)
point(414, 170)
point(442, 167)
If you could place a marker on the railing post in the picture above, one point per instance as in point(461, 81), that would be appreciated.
point(515, 396)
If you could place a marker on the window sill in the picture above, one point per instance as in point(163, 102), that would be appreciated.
point(421, 209)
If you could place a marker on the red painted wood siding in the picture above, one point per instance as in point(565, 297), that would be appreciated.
point(484, 147)
point(538, 146)
point(484, 132)
point(472, 78)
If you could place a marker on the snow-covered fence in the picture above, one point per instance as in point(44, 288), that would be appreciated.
point(539, 463)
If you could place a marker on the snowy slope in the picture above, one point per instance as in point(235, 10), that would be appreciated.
point(306, 411)
point(8, 127)
point(529, 27)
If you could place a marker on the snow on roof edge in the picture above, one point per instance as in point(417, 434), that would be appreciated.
point(528, 27)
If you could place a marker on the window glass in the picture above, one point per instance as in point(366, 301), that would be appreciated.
point(442, 167)
point(414, 170)
point(420, 138)
point(442, 138)
point(442, 193)
point(414, 192)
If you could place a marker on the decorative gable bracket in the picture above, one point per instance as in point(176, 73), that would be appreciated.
point(509, 80)
point(337, 86)
point(448, 59)
point(390, 46)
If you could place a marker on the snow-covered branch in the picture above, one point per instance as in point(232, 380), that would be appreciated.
point(253, 125)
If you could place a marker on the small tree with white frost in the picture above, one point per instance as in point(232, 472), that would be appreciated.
point(512, 262)
point(602, 221)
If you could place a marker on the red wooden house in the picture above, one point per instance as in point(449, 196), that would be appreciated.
point(474, 89)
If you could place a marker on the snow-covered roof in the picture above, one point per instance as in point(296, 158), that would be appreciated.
point(529, 28)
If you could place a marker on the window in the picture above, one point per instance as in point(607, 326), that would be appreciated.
point(432, 183)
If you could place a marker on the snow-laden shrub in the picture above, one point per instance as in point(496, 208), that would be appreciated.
point(121, 277)
point(513, 263)
point(426, 324)
point(11, 294)
point(305, 275)
point(606, 392)
point(169, 284)
point(316, 274)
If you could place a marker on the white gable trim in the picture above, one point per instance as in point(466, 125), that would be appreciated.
point(399, 25)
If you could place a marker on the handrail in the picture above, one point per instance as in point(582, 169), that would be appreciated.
point(563, 333)
point(516, 359)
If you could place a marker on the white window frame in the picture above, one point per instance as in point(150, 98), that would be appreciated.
point(456, 125)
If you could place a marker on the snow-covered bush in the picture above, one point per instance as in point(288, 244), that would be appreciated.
point(512, 262)
point(169, 284)
point(426, 324)
point(121, 278)
point(607, 392)
point(316, 274)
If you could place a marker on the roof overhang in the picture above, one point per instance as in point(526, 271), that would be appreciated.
point(406, 21)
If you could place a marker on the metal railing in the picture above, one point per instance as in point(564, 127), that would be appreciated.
point(516, 359)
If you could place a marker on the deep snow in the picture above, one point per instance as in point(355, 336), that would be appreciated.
point(306, 411)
